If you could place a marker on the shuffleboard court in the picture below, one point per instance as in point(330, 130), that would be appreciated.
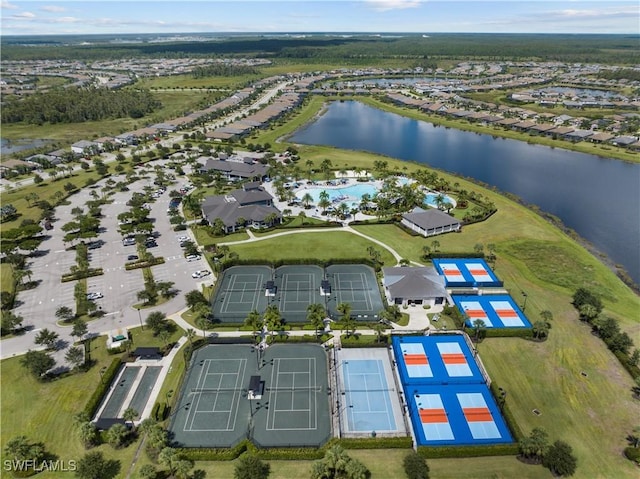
point(289, 406)
point(464, 272)
point(119, 391)
point(145, 386)
point(495, 311)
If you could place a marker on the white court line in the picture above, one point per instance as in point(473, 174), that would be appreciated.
point(237, 393)
point(387, 402)
point(195, 409)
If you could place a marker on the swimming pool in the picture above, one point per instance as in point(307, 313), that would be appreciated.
point(352, 195)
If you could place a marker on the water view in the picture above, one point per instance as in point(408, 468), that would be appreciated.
point(598, 198)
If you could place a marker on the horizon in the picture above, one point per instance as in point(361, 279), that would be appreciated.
point(402, 17)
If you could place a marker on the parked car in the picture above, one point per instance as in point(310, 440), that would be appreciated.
point(129, 241)
point(200, 274)
point(182, 239)
point(132, 257)
point(193, 257)
point(94, 295)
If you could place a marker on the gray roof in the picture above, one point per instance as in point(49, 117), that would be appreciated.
point(431, 218)
point(415, 282)
point(230, 211)
point(237, 168)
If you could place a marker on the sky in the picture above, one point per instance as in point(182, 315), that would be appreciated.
point(30, 17)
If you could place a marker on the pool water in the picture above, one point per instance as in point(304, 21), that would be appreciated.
point(352, 195)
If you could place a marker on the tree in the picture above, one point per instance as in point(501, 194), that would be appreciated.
point(169, 457)
point(130, 415)
point(182, 467)
point(478, 326)
point(157, 322)
point(307, 199)
point(148, 471)
point(37, 179)
point(10, 321)
point(315, 315)
point(435, 245)
point(534, 447)
point(251, 467)
point(47, 338)
point(560, 460)
point(336, 464)
point(117, 435)
point(64, 313)
point(202, 322)
point(79, 329)
point(88, 434)
point(75, 356)
point(93, 465)
point(20, 449)
point(585, 296)
point(379, 329)
point(547, 316)
point(194, 297)
point(254, 321)
point(272, 318)
point(415, 466)
point(540, 329)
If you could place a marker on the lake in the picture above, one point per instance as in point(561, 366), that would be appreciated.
point(598, 198)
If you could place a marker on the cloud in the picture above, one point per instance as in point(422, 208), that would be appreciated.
point(8, 6)
point(53, 8)
point(23, 16)
point(386, 5)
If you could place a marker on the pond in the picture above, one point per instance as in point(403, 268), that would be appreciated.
point(597, 197)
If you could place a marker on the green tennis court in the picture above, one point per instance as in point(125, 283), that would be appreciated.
point(289, 392)
point(355, 284)
point(293, 288)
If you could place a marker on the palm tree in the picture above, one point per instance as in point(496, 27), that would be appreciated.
point(203, 324)
point(323, 195)
point(272, 318)
point(343, 209)
point(541, 329)
point(131, 415)
point(547, 316)
point(190, 335)
point(254, 321)
point(478, 325)
point(306, 199)
point(315, 315)
point(324, 204)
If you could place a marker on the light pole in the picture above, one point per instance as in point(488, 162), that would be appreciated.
point(102, 371)
point(140, 318)
point(524, 305)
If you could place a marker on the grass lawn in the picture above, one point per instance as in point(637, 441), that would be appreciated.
point(44, 411)
point(6, 277)
point(321, 246)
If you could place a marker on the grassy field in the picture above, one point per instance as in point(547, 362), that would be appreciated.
point(44, 411)
point(320, 246)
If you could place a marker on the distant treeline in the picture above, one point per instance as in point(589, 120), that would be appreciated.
point(622, 74)
point(612, 49)
point(224, 70)
point(73, 105)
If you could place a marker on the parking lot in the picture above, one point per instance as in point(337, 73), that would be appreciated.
point(118, 286)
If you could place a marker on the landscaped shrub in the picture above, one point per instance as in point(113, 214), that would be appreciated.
point(88, 273)
point(214, 454)
point(468, 451)
point(376, 443)
point(96, 398)
point(633, 454)
point(508, 333)
point(143, 264)
point(513, 426)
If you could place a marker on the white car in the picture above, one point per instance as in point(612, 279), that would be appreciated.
point(200, 274)
point(95, 295)
point(182, 239)
point(193, 257)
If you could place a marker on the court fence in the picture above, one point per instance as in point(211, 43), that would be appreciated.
point(300, 261)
